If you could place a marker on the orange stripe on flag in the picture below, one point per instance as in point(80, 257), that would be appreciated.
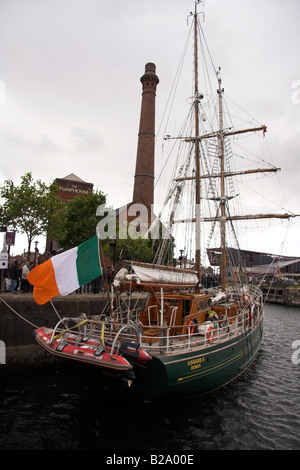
point(42, 277)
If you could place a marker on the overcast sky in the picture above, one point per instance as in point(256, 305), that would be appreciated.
point(70, 93)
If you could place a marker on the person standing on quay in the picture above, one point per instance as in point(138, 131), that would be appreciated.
point(14, 276)
point(24, 282)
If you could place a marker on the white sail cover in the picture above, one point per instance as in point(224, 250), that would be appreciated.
point(165, 276)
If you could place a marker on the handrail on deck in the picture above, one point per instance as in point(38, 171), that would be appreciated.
point(225, 327)
point(164, 341)
point(149, 315)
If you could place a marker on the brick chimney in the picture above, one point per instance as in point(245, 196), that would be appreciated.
point(144, 170)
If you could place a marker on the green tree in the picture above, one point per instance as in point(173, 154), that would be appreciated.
point(124, 246)
point(131, 249)
point(29, 207)
point(77, 221)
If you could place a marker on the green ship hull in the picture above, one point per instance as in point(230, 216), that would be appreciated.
point(195, 372)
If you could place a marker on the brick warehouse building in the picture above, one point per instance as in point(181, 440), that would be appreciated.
point(68, 188)
point(71, 186)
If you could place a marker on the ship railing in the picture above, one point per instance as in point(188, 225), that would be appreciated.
point(128, 315)
point(165, 339)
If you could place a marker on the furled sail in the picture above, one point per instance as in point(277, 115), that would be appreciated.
point(165, 276)
point(149, 273)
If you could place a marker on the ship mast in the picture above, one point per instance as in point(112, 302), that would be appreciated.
point(197, 151)
point(222, 178)
point(223, 216)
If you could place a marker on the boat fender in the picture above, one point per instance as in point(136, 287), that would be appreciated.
point(201, 329)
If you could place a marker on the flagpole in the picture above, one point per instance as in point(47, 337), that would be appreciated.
point(104, 275)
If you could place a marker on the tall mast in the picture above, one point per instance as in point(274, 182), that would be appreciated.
point(222, 178)
point(223, 216)
point(197, 152)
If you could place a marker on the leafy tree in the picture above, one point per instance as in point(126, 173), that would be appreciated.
point(128, 246)
point(131, 249)
point(29, 208)
point(77, 221)
point(128, 242)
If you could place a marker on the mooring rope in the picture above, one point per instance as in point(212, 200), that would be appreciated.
point(55, 309)
point(27, 321)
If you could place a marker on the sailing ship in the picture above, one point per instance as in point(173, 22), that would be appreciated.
point(185, 338)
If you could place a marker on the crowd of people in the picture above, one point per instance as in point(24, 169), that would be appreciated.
point(15, 277)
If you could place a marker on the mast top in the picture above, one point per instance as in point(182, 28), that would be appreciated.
point(195, 13)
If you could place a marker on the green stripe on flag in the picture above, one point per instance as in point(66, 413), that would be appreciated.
point(88, 261)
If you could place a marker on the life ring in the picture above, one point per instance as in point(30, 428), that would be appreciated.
point(245, 298)
point(210, 333)
point(191, 325)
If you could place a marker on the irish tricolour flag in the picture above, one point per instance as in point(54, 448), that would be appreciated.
point(67, 271)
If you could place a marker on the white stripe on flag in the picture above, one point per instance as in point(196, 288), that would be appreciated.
point(65, 271)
